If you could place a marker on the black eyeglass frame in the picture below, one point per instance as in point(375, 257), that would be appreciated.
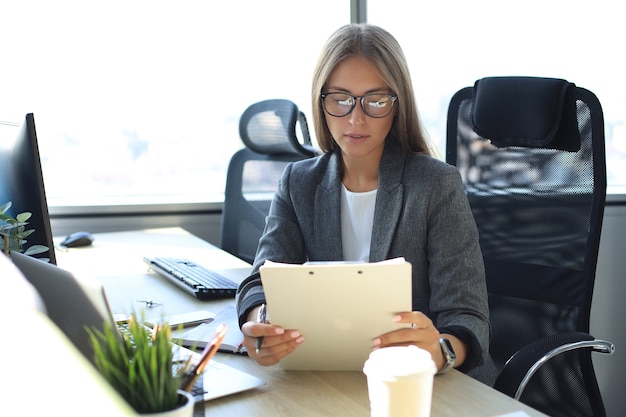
point(354, 100)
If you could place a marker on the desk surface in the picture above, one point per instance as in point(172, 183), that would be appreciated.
point(117, 260)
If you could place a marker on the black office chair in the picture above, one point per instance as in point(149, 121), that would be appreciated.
point(268, 129)
point(532, 157)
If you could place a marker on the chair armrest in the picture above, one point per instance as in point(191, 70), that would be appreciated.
point(521, 367)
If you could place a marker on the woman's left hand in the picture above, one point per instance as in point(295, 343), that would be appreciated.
point(420, 331)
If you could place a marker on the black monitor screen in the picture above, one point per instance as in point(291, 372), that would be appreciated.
point(21, 183)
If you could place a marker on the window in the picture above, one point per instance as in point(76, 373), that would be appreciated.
point(139, 102)
point(451, 44)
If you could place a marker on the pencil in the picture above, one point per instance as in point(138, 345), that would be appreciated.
point(190, 378)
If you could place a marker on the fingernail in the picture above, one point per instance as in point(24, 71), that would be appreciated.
point(295, 334)
point(279, 330)
point(376, 342)
point(396, 318)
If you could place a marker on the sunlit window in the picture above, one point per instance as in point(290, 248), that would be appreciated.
point(138, 102)
point(450, 44)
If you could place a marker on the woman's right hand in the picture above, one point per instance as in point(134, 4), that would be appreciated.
point(277, 342)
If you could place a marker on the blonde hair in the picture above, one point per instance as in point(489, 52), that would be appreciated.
point(382, 49)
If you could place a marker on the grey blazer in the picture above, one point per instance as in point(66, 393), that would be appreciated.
point(421, 213)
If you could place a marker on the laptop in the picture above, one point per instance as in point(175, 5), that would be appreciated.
point(338, 307)
point(74, 304)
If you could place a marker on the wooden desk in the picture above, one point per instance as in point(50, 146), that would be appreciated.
point(308, 393)
point(116, 259)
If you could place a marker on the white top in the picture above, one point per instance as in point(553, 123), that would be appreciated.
point(357, 219)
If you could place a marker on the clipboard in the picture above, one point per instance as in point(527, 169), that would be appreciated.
point(338, 307)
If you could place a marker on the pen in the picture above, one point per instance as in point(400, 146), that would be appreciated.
point(261, 319)
point(209, 351)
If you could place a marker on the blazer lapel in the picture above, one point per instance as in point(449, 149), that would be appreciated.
point(388, 201)
point(327, 213)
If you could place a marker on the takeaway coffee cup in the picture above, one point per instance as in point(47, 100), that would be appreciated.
point(400, 381)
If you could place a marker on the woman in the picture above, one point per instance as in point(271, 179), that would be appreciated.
point(377, 184)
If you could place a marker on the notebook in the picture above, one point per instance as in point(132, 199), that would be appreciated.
point(338, 307)
point(74, 304)
point(199, 336)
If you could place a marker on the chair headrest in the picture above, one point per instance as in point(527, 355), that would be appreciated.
point(269, 127)
point(526, 111)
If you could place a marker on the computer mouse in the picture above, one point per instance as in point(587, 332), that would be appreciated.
point(77, 239)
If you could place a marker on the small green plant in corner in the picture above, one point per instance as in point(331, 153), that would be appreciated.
point(139, 364)
point(13, 233)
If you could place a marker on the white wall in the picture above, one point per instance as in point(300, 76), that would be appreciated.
point(206, 225)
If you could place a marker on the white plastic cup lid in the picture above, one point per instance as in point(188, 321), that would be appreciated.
point(399, 361)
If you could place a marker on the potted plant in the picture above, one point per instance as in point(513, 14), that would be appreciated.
point(13, 233)
point(139, 365)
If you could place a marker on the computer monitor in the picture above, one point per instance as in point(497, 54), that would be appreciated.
point(21, 183)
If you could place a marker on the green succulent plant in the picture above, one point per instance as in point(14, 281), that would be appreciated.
point(13, 233)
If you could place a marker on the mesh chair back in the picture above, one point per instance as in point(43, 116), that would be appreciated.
point(538, 201)
point(268, 129)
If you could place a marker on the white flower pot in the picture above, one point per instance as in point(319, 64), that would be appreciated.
point(184, 410)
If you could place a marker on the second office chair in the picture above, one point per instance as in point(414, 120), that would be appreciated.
point(268, 129)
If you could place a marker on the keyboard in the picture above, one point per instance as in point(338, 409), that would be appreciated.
point(201, 282)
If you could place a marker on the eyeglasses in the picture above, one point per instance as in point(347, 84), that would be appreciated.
point(375, 105)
